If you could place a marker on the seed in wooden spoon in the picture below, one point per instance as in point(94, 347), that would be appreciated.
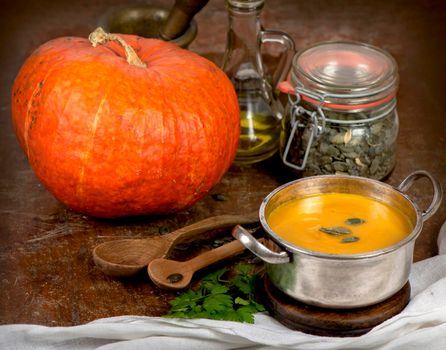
point(174, 278)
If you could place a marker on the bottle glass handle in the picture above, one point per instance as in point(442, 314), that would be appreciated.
point(281, 38)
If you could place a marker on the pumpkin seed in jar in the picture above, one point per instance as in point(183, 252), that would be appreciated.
point(360, 149)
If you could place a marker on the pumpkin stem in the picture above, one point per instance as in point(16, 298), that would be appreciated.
point(99, 36)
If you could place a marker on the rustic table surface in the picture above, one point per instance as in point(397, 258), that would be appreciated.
point(47, 275)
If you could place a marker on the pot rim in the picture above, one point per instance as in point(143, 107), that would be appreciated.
point(331, 256)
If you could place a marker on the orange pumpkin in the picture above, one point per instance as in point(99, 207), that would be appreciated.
point(111, 138)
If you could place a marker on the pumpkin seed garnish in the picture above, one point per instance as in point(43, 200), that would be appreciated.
point(350, 239)
point(336, 231)
point(354, 221)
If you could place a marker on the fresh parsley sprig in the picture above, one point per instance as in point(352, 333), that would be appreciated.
point(231, 299)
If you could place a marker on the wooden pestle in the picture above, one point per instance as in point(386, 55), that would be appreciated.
point(179, 18)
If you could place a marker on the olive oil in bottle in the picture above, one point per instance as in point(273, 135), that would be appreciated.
point(259, 115)
point(259, 126)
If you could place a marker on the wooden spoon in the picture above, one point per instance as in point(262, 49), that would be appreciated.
point(171, 274)
point(126, 257)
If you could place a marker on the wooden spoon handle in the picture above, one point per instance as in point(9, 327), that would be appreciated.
point(202, 226)
point(212, 256)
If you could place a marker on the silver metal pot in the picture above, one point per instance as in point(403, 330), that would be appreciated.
point(336, 280)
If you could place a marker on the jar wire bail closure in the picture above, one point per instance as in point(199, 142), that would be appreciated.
point(316, 129)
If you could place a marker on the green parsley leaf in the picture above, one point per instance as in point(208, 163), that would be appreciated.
point(246, 313)
point(259, 307)
point(243, 283)
point(243, 269)
point(241, 301)
point(215, 288)
point(215, 277)
point(217, 302)
point(220, 299)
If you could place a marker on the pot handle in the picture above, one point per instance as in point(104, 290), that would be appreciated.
point(258, 248)
point(436, 186)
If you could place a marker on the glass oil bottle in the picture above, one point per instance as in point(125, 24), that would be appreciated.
point(260, 111)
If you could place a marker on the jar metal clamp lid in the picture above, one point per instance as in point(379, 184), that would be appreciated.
point(346, 77)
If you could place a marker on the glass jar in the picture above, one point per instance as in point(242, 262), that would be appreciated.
point(341, 116)
point(260, 110)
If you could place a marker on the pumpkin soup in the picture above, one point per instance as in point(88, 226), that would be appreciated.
point(339, 223)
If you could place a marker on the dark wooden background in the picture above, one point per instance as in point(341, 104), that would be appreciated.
point(47, 275)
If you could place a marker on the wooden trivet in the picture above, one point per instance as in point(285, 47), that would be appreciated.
point(331, 322)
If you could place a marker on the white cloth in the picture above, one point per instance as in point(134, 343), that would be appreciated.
point(421, 325)
point(441, 240)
